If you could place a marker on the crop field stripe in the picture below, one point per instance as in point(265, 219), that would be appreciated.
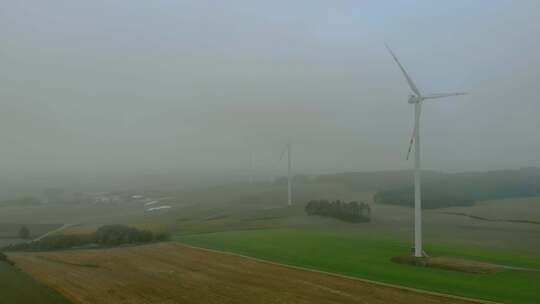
point(404, 288)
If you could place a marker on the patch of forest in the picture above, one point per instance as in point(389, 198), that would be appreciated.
point(350, 212)
point(464, 189)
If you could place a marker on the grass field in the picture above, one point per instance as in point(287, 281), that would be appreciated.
point(9, 232)
point(18, 287)
point(174, 273)
point(526, 209)
point(392, 221)
point(368, 256)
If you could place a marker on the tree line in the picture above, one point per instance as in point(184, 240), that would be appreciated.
point(432, 197)
point(351, 212)
point(105, 236)
point(464, 189)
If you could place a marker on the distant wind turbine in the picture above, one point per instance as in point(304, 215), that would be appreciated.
point(289, 172)
point(417, 99)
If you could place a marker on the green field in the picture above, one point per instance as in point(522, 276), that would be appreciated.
point(17, 287)
point(366, 255)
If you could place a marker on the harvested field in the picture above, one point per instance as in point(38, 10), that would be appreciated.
point(175, 273)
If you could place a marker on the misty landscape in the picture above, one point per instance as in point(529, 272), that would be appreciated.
point(270, 152)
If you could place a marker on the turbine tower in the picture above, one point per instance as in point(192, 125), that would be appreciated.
point(417, 99)
point(251, 167)
point(289, 172)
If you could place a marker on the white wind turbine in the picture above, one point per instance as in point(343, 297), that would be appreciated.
point(417, 99)
point(289, 172)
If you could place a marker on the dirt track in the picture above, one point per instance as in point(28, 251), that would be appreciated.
point(175, 273)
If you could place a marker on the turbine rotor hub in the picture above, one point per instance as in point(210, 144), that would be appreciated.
point(414, 99)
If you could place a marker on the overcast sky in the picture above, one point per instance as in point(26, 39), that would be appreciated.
point(126, 87)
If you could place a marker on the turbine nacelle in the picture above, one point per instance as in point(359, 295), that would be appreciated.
point(414, 99)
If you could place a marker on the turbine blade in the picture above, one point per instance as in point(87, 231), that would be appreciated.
point(442, 95)
point(411, 143)
point(409, 80)
point(413, 134)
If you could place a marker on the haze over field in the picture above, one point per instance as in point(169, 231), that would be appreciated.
point(150, 148)
point(110, 92)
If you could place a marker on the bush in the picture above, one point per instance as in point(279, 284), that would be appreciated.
point(24, 232)
point(350, 212)
point(161, 237)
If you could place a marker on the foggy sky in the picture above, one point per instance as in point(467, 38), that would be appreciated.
point(154, 87)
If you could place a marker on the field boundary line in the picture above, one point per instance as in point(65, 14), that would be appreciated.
point(343, 276)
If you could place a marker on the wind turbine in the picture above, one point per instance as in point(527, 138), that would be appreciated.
point(417, 99)
point(289, 172)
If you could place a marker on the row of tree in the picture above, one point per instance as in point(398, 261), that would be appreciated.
point(111, 235)
point(350, 212)
point(105, 236)
point(24, 232)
